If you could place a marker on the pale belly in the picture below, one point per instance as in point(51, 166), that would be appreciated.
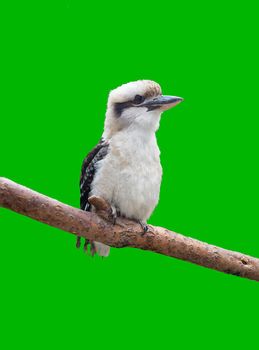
point(131, 184)
point(137, 193)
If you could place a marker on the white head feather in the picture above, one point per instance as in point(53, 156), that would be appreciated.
point(132, 117)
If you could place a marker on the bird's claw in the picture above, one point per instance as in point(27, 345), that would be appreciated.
point(78, 242)
point(93, 249)
point(86, 245)
point(113, 215)
point(144, 226)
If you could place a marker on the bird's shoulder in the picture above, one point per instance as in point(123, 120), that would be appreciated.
point(88, 171)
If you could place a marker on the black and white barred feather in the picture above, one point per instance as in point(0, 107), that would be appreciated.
point(88, 172)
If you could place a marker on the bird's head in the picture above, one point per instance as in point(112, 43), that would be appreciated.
point(137, 105)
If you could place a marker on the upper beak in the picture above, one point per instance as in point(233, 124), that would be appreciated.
point(162, 102)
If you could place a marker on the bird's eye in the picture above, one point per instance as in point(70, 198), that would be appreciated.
point(138, 99)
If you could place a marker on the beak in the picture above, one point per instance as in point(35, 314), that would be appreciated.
point(162, 102)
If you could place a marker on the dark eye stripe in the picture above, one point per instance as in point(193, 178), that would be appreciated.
point(120, 106)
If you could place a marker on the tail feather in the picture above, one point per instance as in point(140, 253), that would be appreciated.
point(99, 248)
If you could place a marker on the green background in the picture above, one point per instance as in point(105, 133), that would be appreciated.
point(59, 60)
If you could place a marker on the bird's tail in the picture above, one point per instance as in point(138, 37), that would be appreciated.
point(100, 248)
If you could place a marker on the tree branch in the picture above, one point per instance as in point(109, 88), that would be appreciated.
point(125, 233)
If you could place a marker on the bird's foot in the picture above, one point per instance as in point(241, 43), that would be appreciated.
point(78, 242)
point(144, 226)
point(93, 249)
point(86, 245)
point(114, 213)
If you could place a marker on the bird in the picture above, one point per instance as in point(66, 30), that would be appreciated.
point(124, 167)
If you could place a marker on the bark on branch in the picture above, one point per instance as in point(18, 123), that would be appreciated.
point(125, 233)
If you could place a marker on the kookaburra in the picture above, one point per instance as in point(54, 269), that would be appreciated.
point(124, 168)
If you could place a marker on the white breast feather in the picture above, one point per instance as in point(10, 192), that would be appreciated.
point(129, 177)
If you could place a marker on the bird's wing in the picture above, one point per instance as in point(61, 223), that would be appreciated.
point(88, 171)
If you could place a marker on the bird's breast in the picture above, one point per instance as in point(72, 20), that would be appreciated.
point(130, 177)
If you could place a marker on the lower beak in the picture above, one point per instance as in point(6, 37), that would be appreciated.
point(162, 102)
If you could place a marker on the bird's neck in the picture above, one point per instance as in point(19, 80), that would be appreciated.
point(143, 126)
point(135, 141)
point(132, 134)
point(135, 132)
